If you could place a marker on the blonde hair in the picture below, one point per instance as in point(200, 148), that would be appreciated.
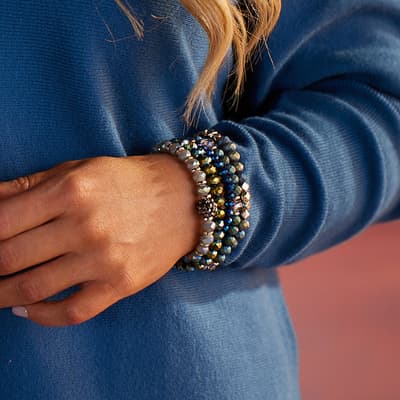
point(244, 25)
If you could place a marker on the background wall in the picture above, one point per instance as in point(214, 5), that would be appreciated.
point(345, 305)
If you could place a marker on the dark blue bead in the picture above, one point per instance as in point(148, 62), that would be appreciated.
point(228, 221)
point(229, 203)
point(219, 164)
point(229, 212)
point(209, 152)
point(227, 179)
point(230, 187)
point(230, 196)
point(226, 228)
point(223, 172)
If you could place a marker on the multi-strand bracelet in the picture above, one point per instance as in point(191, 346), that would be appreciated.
point(224, 195)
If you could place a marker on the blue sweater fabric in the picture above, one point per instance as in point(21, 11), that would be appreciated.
point(319, 134)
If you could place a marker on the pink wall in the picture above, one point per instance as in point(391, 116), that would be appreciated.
point(345, 305)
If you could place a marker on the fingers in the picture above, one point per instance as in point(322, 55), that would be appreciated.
point(29, 209)
point(36, 246)
point(93, 298)
point(46, 280)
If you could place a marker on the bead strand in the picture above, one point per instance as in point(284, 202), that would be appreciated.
point(224, 194)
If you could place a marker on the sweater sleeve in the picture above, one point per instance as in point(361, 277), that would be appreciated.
point(320, 135)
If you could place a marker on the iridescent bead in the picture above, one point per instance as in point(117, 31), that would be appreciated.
point(208, 261)
point(233, 230)
point(217, 190)
point(205, 161)
point(226, 160)
point(183, 154)
point(226, 250)
point(219, 223)
point(218, 235)
point(207, 240)
point(235, 156)
point(199, 176)
point(239, 167)
point(244, 225)
point(203, 190)
point(235, 179)
point(217, 245)
point(230, 241)
point(241, 235)
point(212, 254)
point(230, 147)
point(209, 226)
point(219, 153)
point(192, 163)
point(211, 170)
point(221, 258)
point(236, 220)
point(214, 180)
point(231, 169)
point(237, 190)
point(196, 258)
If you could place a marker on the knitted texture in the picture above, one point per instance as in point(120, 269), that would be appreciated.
point(318, 131)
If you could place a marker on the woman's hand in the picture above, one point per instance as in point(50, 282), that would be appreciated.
point(111, 225)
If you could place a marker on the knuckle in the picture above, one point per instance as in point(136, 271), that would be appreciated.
point(74, 315)
point(8, 259)
point(94, 231)
point(75, 189)
point(29, 291)
point(113, 257)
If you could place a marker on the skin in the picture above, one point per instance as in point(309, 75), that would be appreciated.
point(112, 225)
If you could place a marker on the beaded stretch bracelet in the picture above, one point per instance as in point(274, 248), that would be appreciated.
point(224, 194)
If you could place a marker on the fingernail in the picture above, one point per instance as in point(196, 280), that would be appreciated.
point(20, 312)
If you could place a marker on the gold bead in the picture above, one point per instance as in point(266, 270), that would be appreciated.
point(221, 202)
point(214, 180)
point(220, 213)
point(211, 170)
point(217, 190)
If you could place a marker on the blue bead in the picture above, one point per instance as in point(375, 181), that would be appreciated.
point(229, 212)
point(227, 179)
point(219, 164)
point(230, 187)
point(229, 203)
point(223, 172)
point(228, 221)
point(230, 196)
point(226, 228)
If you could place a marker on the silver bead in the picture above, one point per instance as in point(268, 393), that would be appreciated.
point(183, 154)
point(206, 240)
point(173, 148)
point(199, 176)
point(192, 163)
point(245, 186)
point(203, 250)
point(209, 226)
point(203, 190)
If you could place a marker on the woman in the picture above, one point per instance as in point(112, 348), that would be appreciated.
point(96, 218)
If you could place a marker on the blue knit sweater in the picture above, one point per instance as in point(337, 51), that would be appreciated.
point(319, 134)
